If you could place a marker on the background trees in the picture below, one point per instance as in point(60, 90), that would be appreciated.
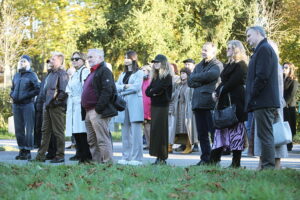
point(176, 28)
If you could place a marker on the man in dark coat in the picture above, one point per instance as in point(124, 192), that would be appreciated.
point(204, 79)
point(96, 100)
point(262, 93)
point(54, 109)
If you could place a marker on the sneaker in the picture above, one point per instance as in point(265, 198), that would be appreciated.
point(135, 163)
point(122, 162)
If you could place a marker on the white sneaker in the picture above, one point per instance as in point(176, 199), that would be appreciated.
point(135, 163)
point(122, 162)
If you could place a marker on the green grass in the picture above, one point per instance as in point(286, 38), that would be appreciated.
point(147, 182)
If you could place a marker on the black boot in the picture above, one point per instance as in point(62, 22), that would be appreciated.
point(25, 155)
point(236, 159)
point(215, 156)
point(21, 153)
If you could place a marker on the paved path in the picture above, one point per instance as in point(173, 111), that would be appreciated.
point(176, 159)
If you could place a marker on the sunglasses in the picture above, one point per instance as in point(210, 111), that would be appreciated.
point(75, 59)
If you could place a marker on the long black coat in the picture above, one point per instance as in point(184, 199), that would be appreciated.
point(233, 79)
point(262, 89)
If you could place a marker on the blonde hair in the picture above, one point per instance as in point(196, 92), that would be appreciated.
point(292, 70)
point(164, 70)
point(60, 56)
point(239, 52)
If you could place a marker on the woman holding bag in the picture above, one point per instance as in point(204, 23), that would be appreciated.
point(129, 85)
point(232, 89)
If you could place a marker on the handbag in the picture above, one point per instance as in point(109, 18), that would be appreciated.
point(224, 118)
point(282, 133)
point(119, 103)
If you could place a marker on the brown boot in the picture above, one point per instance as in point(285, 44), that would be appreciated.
point(188, 148)
point(170, 148)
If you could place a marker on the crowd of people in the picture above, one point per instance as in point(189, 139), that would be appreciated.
point(167, 105)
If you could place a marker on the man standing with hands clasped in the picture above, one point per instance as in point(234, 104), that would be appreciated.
point(262, 93)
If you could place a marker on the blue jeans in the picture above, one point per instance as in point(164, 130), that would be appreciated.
point(204, 125)
point(24, 119)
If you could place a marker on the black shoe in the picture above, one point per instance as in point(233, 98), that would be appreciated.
point(21, 153)
point(37, 160)
point(49, 156)
point(74, 158)
point(72, 146)
point(202, 162)
point(85, 162)
point(195, 148)
point(26, 155)
point(146, 148)
point(180, 148)
point(57, 160)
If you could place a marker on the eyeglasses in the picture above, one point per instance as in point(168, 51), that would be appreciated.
point(75, 59)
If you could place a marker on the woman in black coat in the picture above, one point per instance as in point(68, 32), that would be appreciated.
point(290, 97)
point(233, 79)
point(160, 92)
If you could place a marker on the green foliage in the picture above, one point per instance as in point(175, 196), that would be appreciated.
point(5, 109)
point(146, 182)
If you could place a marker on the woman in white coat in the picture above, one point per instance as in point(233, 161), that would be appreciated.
point(129, 85)
point(74, 124)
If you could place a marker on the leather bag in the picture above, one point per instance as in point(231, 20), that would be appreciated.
point(224, 118)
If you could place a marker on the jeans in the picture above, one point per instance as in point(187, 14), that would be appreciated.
point(24, 120)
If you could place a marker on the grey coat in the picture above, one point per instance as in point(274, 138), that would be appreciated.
point(204, 80)
point(133, 97)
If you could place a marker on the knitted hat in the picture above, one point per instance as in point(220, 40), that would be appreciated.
point(26, 57)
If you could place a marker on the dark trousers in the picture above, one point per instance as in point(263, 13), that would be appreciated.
point(38, 128)
point(52, 146)
point(53, 123)
point(83, 149)
point(24, 120)
point(290, 116)
point(264, 119)
point(204, 125)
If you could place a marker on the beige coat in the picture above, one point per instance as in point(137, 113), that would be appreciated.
point(190, 122)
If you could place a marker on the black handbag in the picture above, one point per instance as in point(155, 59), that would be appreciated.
point(119, 103)
point(224, 118)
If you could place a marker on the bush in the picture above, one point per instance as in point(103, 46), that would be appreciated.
point(5, 109)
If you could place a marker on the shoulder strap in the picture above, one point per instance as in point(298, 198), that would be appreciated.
point(80, 76)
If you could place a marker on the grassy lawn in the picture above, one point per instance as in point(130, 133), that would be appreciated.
point(147, 182)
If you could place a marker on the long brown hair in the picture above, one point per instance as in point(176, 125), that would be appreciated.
point(292, 70)
point(132, 55)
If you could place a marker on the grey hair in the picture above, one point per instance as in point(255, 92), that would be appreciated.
point(258, 29)
point(99, 52)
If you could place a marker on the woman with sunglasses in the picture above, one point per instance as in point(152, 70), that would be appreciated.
point(74, 124)
point(290, 97)
point(129, 85)
point(160, 92)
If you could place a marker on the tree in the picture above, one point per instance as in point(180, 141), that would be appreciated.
point(11, 36)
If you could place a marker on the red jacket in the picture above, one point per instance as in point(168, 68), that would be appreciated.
point(146, 100)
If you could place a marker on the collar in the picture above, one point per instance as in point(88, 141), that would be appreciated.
point(95, 67)
point(260, 43)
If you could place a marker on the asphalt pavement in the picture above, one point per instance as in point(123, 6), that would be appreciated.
point(175, 159)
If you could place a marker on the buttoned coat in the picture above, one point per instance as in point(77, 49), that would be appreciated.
point(133, 97)
point(262, 80)
point(74, 122)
